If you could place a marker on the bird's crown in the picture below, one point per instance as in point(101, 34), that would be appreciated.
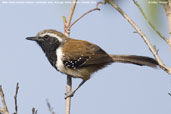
point(52, 33)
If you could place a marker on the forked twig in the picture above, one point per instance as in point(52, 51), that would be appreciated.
point(83, 16)
point(94, 9)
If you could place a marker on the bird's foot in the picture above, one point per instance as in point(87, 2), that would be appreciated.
point(70, 94)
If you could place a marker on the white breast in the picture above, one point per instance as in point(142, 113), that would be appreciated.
point(61, 68)
point(59, 62)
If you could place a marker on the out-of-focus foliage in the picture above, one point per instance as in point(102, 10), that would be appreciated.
point(153, 10)
point(119, 1)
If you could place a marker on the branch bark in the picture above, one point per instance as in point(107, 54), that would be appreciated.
point(69, 79)
point(15, 99)
point(4, 109)
point(151, 48)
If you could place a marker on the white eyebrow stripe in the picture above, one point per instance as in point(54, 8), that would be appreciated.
point(52, 35)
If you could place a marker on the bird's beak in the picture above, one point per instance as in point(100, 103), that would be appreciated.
point(33, 38)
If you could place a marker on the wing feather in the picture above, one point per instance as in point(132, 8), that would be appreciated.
point(79, 53)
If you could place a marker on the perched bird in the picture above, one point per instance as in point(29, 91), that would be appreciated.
point(79, 58)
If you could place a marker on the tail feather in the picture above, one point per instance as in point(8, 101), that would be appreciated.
point(133, 59)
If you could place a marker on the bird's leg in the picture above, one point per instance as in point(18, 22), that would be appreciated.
point(71, 94)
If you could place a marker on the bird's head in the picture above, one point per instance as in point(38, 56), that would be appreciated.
point(49, 40)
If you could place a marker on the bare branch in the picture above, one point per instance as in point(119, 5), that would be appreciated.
point(149, 22)
point(67, 28)
point(68, 99)
point(69, 79)
point(15, 99)
point(97, 8)
point(83, 16)
point(70, 15)
point(34, 111)
point(49, 107)
point(163, 66)
point(4, 109)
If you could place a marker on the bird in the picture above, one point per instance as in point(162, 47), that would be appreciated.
point(80, 58)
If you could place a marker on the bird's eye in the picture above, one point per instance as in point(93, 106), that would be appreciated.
point(46, 36)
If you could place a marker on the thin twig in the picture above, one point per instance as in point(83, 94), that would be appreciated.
point(154, 52)
point(68, 99)
point(101, 2)
point(83, 16)
point(71, 14)
point(149, 22)
point(4, 109)
point(69, 79)
point(65, 26)
point(49, 107)
point(15, 99)
point(34, 111)
point(97, 8)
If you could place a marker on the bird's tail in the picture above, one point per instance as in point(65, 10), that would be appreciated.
point(133, 59)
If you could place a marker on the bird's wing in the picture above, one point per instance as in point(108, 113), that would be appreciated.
point(82, 53)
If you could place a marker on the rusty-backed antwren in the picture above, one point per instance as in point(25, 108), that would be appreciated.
point(79, 58)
